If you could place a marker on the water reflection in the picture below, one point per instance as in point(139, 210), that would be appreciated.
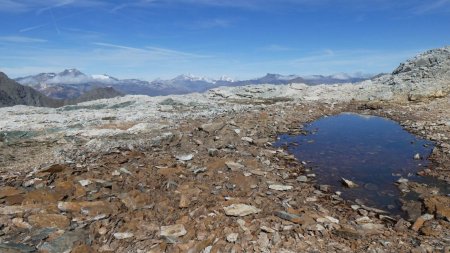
point(373, 152)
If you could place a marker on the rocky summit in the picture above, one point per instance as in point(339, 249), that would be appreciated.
point(199, 173)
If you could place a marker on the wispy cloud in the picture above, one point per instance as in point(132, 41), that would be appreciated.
point(21, 39)
point(155, 52)
point(18, 6)
point(34, 27)
point(432, 6)
point(12, 6)
point(276, 48)
point(151, 62)
point(412, 6)
point(55, 5)
point(102, 44)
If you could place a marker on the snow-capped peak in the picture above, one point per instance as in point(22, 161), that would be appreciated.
point(101, 77)
point(190, 77)
point(71, 72)
point(225, 79)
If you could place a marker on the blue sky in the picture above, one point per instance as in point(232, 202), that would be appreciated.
point(237, 38)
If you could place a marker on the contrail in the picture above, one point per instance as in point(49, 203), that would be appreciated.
point(27, 29)
point(54, 22)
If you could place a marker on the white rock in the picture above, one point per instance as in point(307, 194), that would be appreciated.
point(121, 236)
point(232, 237)
point(184, 158)
point(334, 220)
point(362, 220)
point(427, 217)
point(85, 182)
point(123, 170)
point(207, 249)
point(234, 166)
point(279, 187)
point(417, 156)
point(372, 226)
point(302, 179)
point(402, 180)
point(241, 223)
point(176, 230)
point(241, 210)
point(355, 207)
point(311, 199)
point(267, 229)
point(349, 183)
point(247, 139)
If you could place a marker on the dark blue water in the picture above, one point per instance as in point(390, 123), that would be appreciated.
point(373, 152)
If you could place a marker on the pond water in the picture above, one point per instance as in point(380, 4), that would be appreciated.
point(373, 152)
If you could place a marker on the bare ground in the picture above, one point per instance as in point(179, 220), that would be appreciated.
point(123, 199)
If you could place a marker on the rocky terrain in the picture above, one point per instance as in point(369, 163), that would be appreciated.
point(198, 173)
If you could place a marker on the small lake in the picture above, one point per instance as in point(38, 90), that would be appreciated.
point(373, 152)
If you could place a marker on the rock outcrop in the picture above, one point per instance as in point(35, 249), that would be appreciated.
point(425, 76)
point(12, 93)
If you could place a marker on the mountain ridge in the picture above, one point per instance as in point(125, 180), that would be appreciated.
point(72, 83)
point(12, 93)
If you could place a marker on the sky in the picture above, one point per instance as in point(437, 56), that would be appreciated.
point(241, 39)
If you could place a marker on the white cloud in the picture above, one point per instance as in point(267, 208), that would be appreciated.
point(21, 39)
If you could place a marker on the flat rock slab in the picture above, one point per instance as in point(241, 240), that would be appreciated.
point(49, 220)
point(16, 248)
point(9, 191)
point(63, 243)
point(212, 127)
point(121, 236)
point(288, 216)
point(240, 210)
point(88, 207)
point(177, 230)
point(279, 187)
point(234, 166)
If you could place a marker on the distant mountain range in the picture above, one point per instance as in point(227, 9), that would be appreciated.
point(12, 93)
point(71, 83)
